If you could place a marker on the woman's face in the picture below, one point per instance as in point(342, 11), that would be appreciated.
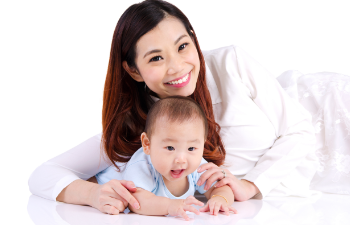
point(167, 59)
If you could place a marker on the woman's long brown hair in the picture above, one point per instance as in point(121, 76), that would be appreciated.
point(126, 102)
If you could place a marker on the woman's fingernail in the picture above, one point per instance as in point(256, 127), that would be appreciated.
point(199, 183)
point(136, 206)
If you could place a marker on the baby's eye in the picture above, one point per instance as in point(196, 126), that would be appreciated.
point(183, 46)
point(156, 58)
point(170, 148)
point(191, 149)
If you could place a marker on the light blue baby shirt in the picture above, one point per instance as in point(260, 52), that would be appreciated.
point(140, 170)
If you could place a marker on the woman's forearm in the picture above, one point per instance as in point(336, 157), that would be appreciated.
point(78, 192)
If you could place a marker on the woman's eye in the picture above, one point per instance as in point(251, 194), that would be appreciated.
point(191, 149)
point(170, 148)
point(183, 46)
point(155, 59)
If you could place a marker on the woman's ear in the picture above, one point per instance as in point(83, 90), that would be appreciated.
point(132, 72)
point(145, 144)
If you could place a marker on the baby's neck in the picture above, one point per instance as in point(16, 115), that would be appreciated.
point(177, 188)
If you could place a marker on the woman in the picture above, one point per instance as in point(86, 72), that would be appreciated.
point(268, 139)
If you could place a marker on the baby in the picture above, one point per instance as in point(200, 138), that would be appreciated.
point(164, 170)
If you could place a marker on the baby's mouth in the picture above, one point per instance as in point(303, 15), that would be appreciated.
point(177, 173)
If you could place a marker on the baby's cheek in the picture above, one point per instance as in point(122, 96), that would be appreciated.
point(161, 166)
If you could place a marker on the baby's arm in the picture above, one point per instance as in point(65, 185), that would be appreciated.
point(222, 200)
point(150, 204)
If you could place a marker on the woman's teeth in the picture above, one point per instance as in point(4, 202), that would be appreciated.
point(179, 81)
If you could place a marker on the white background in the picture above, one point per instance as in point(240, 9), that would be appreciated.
point(54, 57)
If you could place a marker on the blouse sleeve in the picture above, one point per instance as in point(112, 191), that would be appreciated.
point(80, 162)
point(291, 121)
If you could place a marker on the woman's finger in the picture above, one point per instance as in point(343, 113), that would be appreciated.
point(206, 166)
point(213, 178)
point(124, 193)
point(225, 181)
point(207, 174)
point(129, 185)
point(116, 203)
point(109, 209)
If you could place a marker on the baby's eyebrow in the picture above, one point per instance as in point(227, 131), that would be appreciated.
point(169, 140)
point(174, 140)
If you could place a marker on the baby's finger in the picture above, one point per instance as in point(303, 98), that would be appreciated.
point(217, 208)
point(205, 208)
point(191, 209)
point(192, 200)
point(226, 210)
point(233, 209)
point(211, 207)
point(183, 214)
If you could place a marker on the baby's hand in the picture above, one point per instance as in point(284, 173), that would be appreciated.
point(216, 204)
point(178, 207)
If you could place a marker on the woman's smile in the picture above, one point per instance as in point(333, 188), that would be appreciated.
point(180, 82)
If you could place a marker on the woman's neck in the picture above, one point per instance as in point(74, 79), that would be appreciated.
point(177, 188)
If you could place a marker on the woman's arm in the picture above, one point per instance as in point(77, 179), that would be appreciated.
point(242, 189)
point(153, 205)
point(80, 162)
point(63, 178)
point(295, 139)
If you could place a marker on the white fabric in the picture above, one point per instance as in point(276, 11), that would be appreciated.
point(141, 171)
point(327, 97)
point(268, 136)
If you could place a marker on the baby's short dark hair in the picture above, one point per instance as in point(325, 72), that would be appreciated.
point(175, 109)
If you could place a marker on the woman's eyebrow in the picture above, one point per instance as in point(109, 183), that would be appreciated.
point(177, 40)
point(152, 51)
point(158, 50)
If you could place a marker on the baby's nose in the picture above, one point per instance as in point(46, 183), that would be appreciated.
point(180, 159)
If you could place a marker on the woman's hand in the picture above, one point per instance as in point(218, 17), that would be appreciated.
point(178, 207)
point(242, 189)
point(216, 204)
point(113, 197)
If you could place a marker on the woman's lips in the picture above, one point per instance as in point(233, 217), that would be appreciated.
point(177, 173)
point(183, 83)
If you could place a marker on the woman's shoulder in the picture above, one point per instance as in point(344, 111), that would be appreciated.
point(222, 52)
point(222, 63)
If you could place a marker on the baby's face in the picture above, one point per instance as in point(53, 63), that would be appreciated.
point(176, 149)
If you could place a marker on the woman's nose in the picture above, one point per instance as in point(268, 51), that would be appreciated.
point(175, 65)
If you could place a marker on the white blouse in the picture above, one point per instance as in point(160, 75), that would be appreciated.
point(268, 137)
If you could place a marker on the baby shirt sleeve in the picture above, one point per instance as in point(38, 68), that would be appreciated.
point(142, 174)
point(196, 177)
